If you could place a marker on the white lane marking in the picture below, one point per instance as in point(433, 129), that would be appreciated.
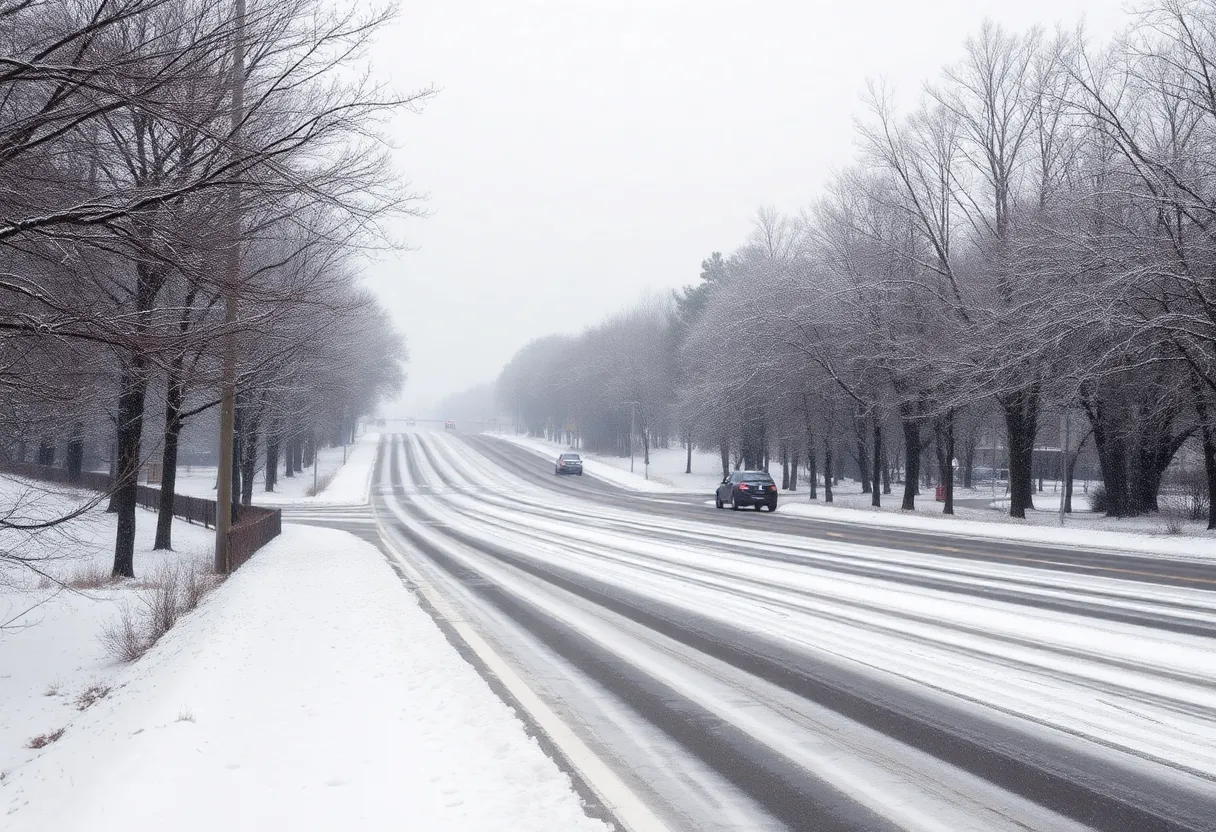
point(612, 791)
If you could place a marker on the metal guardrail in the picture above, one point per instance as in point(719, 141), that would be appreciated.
point(255, 527)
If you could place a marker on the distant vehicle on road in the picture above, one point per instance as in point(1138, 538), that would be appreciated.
point(449, 425)
point(409, 422)
point(569, 464)
point(747, 488)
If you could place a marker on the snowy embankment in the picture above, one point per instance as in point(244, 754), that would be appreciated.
point(53, 661)
point(1082, 528)
point(342, 477)
point(309, 691)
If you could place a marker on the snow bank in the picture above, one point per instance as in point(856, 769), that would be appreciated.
point(309, 692)
point(1002, 527)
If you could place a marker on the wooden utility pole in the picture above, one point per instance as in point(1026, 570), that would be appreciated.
point(223, 496)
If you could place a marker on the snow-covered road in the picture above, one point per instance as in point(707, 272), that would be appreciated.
point(742, 671)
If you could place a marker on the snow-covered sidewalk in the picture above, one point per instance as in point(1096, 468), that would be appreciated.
point(309, 692)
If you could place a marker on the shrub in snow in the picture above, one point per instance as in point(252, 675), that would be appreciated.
point(94, 576)
point(1097, 499)
point(43, 740)
point(173, 592)
point(90, 696)
point(123, 638)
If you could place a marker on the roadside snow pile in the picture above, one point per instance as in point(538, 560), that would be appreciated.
point(53, 662)
point(309, 692)
point(1001, 527)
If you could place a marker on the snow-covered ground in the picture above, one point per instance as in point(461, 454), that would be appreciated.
point(51, 653)
point(339, 481)
point(1081, 528)
point(307, 692)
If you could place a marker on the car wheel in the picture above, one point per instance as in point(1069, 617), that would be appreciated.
point(757, 506)
point(734, 504)
point(717, 501)
point(772, 506)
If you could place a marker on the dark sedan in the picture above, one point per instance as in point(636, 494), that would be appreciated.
point(747, 488)
point(569, 464)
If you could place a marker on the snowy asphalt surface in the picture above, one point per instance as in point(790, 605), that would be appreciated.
point(742, 670)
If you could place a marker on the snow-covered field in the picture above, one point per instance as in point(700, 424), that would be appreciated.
point(344, 482)
point(1081, 528)
point(51, 653)
point(308, 692)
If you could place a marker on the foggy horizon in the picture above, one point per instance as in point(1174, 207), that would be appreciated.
point(579, 156)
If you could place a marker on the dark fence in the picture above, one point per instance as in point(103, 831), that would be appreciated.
point(61, 476)
point(254, 529)
point(195, 510)
point(255, 526)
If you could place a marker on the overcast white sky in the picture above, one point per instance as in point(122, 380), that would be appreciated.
point(583, 152)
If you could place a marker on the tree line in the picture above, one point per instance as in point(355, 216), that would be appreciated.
point(164, 163)
point(1031, 239)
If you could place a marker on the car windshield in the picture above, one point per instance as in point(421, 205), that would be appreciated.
point(569, 456)
point(758, 480)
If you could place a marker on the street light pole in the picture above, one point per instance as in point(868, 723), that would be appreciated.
point(223, 496)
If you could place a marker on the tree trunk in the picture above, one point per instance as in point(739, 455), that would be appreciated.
point(886, 472)
point(688, 456)
point(1207, 436)
point(310, 449)
point(1112, 455)
point(785, 468)
point(969, 465)
point(863, 456)
point(74, 459)
point(272, 455)
point(296, 458)
point(875, 495)
point(1072, 466)
point(948, 471)
point(795, 460)
point(827, 470)
point(174, 397)
point(912, 450)
point(249, 457)
point(724, 455)
point(238, 433)
point(1021, 410)
point(1155, 448)
point(812, 471)
point(133, 388)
